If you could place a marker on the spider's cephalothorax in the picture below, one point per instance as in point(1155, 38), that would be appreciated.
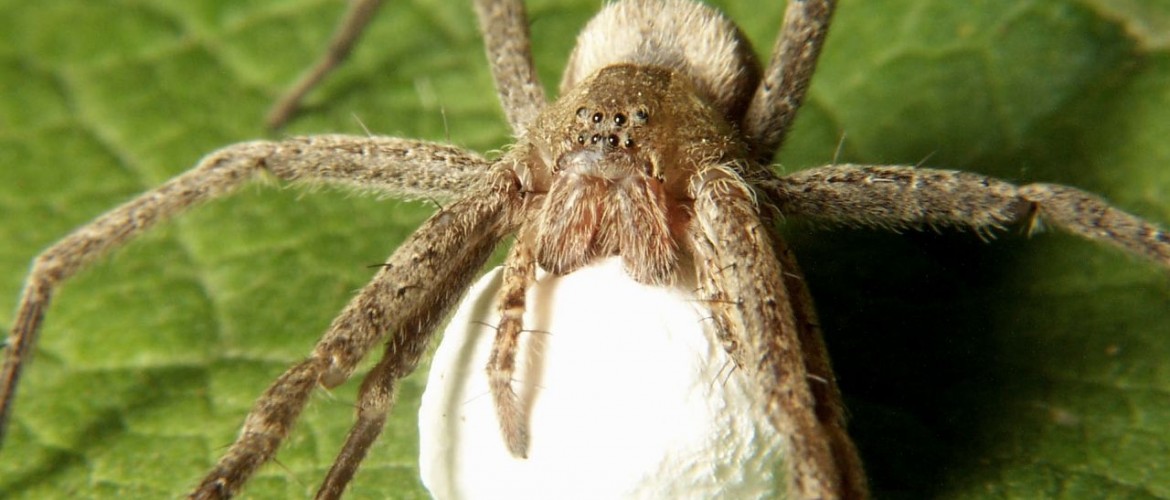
point(642, 111)
point(655, 152)
point(623, 146)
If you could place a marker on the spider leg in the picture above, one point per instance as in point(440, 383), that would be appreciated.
point(376, 397)
point(402, 168)
point(392, 166)
point(413, 291)
point(742, 279)
point(785, 82)
point(830, 409)
point(379, 390)
point(519, 273)
point(898, 197)
point(504, 24)
point(357, 17)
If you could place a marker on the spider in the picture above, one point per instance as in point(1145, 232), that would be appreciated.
point(764, 189)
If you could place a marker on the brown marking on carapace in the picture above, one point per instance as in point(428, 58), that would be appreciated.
point(617, 152)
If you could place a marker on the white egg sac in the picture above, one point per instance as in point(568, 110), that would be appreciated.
point(629, 394)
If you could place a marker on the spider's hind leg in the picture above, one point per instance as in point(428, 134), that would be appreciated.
point(356, 19)
point(786, 79)
point(504, 24)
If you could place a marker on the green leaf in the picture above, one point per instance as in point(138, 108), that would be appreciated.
point(1024, 368)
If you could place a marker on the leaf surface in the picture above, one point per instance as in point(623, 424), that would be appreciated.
point(1024, 368)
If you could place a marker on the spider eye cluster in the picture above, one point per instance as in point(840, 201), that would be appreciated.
point(609, 130)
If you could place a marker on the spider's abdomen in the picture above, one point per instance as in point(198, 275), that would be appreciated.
point(689, 38)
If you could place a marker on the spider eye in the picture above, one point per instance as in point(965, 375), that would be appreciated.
point(629, 143)
point(594, 139)
point(612, 140)
point(619, 119)
point(581, 112)
point(597, 117)
point(580, 138)
point(641, 116)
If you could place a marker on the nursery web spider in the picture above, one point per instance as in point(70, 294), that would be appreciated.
point(658, 153)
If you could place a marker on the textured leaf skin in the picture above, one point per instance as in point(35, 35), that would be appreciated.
point(1024, 368)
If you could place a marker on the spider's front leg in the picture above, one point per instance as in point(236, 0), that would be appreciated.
point(406, 298)
point(830, 408)
point(403, 352)
point(742, 279)
point(898, 197)
point(460, 237)
point(393, 166)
